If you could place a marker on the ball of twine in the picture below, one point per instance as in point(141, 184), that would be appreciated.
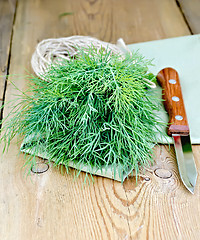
point(53, 50)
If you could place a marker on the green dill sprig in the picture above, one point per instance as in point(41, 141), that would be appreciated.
point(96, 109)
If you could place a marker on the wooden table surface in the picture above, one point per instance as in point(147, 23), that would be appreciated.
point(54, 206)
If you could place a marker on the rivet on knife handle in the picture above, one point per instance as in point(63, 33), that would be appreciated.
point(178, 126)
point(169, 80)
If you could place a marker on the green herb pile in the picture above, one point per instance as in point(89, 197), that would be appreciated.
point(96, 109)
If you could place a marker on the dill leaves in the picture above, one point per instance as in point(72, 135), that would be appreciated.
point(96, 109)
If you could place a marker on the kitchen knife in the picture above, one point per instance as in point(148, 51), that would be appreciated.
point(178, 126)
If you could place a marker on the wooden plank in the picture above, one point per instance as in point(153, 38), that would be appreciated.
point(191, 11)
point(167, 209)
point(7, 12)
point(135, 21)
point(53, 206)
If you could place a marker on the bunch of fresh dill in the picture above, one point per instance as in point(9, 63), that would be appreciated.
point(96, 109)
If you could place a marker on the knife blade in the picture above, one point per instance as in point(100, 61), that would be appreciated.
point(178, 126)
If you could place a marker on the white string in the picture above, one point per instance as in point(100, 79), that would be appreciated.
point(53, 49)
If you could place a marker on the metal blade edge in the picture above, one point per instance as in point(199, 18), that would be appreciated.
point(185, 161)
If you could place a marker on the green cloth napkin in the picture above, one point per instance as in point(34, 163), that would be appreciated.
point(182, 54)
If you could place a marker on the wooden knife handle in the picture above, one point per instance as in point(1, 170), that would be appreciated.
point(174, 105)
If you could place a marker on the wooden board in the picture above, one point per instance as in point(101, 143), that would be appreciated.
point(191, 10)
point(54, 206)
point(7, 12)
point(135, 21)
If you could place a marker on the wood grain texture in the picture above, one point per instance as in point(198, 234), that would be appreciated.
point(134, 20)
point(191, 10)
point(7, 12)
point(54, 206)
point(172, 90)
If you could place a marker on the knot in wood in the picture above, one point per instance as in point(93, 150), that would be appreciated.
point(40, 168)
point(162, 173)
